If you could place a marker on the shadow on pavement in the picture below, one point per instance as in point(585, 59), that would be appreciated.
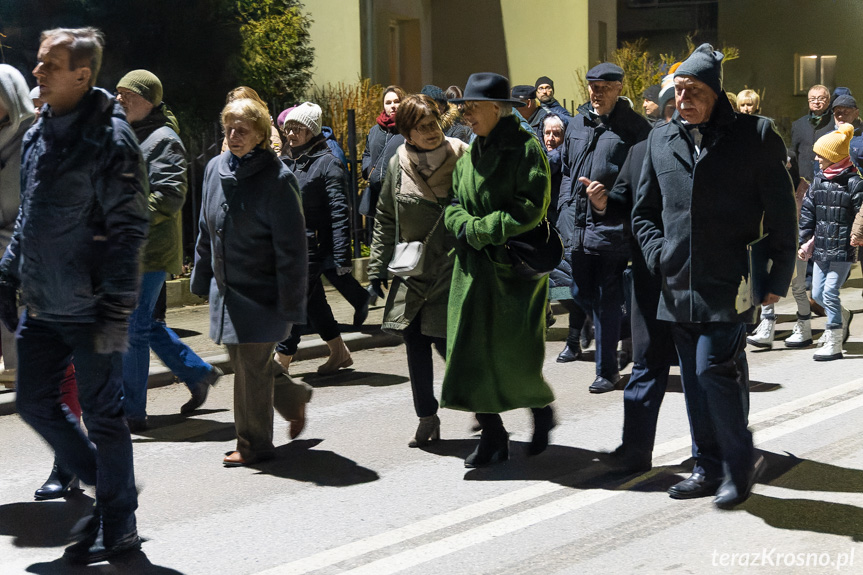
point(135, 563)
point(567, 466)
point(347, 377)
point(182, 428)
point(298, 460)
point(43, 523)
point(807, 515)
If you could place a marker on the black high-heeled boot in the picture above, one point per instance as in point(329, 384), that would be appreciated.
point(543, 423)
point(59, 484)
point(493, 442)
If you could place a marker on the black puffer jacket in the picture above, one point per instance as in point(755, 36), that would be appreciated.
point(381, 145)
point(596, 148)
point(828, 211)
point(323, 188)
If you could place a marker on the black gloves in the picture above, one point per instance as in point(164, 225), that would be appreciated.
point(9, 304)
point(376, 284)
point(112, 328)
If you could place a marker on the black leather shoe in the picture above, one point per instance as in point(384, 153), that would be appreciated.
point(489, 451)
point(543, 423)
point(602, 385)
point(694, 486)
point(136, 425)
point(587, 332)
point(93, 549)
point(201, 390)
point(569, 354)
point(729, 496)
point(59, 484)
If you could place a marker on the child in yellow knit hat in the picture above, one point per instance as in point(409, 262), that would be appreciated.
point(829, 207)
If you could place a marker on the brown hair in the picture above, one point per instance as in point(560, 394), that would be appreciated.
point(413, 110)
point(84, 45)
point(398, 91)
point(252, 111)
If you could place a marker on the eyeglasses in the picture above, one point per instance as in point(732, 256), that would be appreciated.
point(821, 99)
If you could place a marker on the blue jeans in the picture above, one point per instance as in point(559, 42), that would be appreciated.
point(715, 378)
point(827, 278)
point(45, 350)
point(146, 333)
point(597, 286)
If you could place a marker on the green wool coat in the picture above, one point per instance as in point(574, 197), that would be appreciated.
point(496, 319)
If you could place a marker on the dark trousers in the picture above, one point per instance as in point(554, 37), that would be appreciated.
point(103, 457)
point(597, 287)
point(347, 285)
point(576, 322)
point(653, 353)
point(320, 315)
point(716, 388)
point(419, 351)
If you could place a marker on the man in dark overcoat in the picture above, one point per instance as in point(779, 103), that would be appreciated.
point(713, 181)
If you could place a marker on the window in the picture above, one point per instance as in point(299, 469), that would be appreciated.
point(813, 69)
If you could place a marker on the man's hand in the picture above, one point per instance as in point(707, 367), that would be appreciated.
point(9, 305)
point(111, 332)
point(770, 298)
point(376, 284)
point(596, 193)
point(856, 241)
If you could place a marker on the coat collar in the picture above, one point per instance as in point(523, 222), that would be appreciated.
point(249, 166)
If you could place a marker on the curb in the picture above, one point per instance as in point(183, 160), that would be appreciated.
point(312, 348)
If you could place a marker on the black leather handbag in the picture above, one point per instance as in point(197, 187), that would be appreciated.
point(537, 252)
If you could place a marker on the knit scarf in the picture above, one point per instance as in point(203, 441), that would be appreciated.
point(388, 123)
point(834, 170)
point(427, 161)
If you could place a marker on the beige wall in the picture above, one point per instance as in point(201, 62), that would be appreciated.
point(769, 32)
point(546, 38)
point(335, 36)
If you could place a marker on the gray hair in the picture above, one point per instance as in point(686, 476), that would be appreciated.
point(552, 119)
point(504, 109)
point(84, 45)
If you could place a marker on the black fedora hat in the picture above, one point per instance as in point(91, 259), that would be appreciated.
point(489, 87)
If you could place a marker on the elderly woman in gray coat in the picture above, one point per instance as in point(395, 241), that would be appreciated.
point(410, 208)
point(251, 262)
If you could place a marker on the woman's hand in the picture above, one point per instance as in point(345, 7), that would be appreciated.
point(856, 241)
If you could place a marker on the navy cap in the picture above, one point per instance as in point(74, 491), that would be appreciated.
point(434, 92)
point(845, 101)
point(523, 92)
point(605, 71)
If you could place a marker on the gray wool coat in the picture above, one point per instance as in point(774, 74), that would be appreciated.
point(251, 252)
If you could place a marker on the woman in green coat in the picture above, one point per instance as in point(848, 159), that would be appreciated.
point(496, 318)
point(410, 208)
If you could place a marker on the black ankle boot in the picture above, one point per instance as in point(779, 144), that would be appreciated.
point(493, 448)
point(59, 484)
point(543, 423)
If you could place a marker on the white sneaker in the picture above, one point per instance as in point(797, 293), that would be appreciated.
point(832, 348)
point(847, 316)
point(763, 335)
point(801, 336)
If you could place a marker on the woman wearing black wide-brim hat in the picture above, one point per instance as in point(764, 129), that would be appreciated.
point(496, 318)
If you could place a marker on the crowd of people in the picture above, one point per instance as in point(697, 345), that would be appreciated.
point(92, 186)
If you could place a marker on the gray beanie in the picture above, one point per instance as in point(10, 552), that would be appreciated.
point(307, 114)
point(704, 64)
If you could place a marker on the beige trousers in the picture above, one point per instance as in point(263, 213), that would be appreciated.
point(260, 385)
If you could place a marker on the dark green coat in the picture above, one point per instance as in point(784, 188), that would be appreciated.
point(496, 319)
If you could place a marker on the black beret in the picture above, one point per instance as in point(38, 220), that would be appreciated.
point(523, 92)
point(605, 71)
point(652, 93)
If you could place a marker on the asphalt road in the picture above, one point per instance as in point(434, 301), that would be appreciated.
point(349, 496)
